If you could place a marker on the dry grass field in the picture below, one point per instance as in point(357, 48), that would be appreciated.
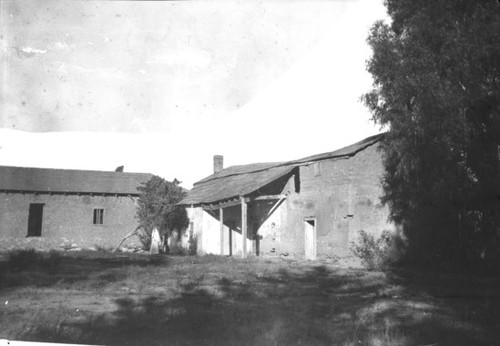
point(116, 299)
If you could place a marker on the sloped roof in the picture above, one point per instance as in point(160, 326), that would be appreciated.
point(349, 150)
point(45, 180)
point(245, 179)
point(233, 170)
point(234, 185)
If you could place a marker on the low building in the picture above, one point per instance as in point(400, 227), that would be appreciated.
point(49, 208)
point(311, 207)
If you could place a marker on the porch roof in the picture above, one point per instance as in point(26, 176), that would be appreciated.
point(248, 180)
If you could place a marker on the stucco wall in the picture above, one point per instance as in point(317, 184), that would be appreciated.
point(344, 198)
point(66, 219)
point(206, 228)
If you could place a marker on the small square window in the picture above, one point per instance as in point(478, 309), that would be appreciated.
point(98, 216)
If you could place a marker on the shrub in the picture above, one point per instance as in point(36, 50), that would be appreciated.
point(373, 252)
point(178, 250)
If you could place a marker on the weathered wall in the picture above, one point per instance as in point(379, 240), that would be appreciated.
point(343, 195)
point(206, 229)
point(66, 219)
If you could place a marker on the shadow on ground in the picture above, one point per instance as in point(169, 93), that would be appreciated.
point(55, 269)
point(313, 306)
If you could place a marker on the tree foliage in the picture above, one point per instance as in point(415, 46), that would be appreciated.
point(436, 89)
point(157, 207)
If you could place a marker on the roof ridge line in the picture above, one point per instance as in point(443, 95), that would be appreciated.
point(351, 154)
point(233, 174)
point(299, 162)
point(69, 169)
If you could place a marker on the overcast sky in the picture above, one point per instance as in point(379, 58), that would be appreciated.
point(162, 86)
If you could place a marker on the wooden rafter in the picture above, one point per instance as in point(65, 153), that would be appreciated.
point(226, 204)
point(237, 201)
point(268, 197)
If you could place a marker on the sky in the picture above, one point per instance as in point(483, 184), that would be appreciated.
point(162, 86)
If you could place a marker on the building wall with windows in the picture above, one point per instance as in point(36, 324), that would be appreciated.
point(66, 220)
point(53, 208)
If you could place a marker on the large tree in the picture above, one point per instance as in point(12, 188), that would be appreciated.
point(157, 208)
point(436, 71)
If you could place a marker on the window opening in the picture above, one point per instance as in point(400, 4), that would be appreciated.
point(317, 169)
point(35, 219)
point(98, 216)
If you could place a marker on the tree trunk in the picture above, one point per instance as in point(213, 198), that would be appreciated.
point(126, 237)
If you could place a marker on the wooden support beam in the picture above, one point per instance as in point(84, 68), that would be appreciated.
point(268, 197)
point(221, 220)
point(227, 204)
point(244, 223)
point(234, 202)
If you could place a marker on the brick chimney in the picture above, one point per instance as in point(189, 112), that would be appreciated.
point(218, 163)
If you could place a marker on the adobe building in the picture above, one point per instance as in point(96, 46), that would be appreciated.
point(45, 208)
point(310, 208)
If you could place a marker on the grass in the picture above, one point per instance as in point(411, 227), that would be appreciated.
point(118, 299)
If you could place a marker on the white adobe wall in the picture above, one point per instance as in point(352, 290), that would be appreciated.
point(206, 229)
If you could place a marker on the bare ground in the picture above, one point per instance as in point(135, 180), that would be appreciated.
point(116, 299)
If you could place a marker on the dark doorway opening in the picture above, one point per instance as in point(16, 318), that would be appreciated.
point(35, 220)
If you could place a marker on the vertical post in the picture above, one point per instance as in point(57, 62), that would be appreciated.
point(221, 220)
point(194, 234)
point(244, 227)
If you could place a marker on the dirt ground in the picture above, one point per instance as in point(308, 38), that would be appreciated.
point(117, 299)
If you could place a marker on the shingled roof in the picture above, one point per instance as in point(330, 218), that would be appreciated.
point(244, 180)
point(43, 180)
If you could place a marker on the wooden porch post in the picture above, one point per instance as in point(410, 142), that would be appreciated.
point(221, 220)
point(244, 227)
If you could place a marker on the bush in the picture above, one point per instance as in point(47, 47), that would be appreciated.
point(373, 252)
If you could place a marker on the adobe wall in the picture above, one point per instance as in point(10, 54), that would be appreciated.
point(344, 198)
point(66, 219)
point(206, 229)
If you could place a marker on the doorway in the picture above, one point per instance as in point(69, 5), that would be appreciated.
point(310, 238)
point(35, 220)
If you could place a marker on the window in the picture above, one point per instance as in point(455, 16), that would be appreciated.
point(317, 169)
point(98, 216)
